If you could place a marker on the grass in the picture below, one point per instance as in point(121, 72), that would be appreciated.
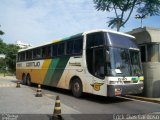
point(1, 74)
point(8, 73)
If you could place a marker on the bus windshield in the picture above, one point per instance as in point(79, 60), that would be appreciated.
point(125, 62)
point(135, 62)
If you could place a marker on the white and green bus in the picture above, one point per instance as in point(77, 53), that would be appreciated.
point(100, 62)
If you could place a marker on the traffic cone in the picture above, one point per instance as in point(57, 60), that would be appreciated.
point(57, 110)
point(39, 91)
point(18, 85)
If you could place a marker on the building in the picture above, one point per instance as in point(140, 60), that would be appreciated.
point(23, 45)
point(148, 40)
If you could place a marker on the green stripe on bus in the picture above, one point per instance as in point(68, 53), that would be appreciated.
point(51, 69)
point(55, 71)
point(59, 71)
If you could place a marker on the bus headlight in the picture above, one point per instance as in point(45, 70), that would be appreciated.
point(141, 88)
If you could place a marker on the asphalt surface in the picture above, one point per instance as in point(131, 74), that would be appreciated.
point(21, 103)
point(92, 104)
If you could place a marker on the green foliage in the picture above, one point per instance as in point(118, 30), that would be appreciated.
point(2, 47)
point(124, 8)
point(113, 22)
point(11, 56)
point(10, 50)
point(1, 32)
point(149, 7)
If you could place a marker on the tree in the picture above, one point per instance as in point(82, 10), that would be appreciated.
point(124, 8)
point(2, 47)
point(10, 51)
point(1, 32)
point(11, 56)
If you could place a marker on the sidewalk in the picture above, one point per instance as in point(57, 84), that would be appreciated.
point(155, 100)
point(23, 101)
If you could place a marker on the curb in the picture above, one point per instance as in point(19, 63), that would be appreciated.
point(144, 98)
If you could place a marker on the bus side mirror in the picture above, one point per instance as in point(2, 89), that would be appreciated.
point(107, 56)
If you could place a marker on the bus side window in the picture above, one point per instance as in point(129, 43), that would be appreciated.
point(37, 53)
point(22, 56)
point(78, 46)
point(28, 55)
point(70, 47)
point(61, 49)
point(46, 52)
point(94, 39)
point(54, 50)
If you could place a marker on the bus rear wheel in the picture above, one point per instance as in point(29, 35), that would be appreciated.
point(28, 80)
point(76, 88)
point(24, 79)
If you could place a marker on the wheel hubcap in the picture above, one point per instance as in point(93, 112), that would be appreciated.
point(76, 87)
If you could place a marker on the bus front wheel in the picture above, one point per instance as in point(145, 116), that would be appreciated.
point(24, 79)
point(76, 87)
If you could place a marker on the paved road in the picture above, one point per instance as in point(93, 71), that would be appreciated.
point(23, 101)
point(91, 104)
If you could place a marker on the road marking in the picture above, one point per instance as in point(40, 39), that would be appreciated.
point(7, 85)
point(50, 95)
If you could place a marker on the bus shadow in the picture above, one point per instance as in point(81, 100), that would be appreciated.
point(53, 89)
point(86, 96)
point(15, 81)
point(104, 100)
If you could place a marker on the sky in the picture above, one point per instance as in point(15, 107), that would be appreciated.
point(38, 22)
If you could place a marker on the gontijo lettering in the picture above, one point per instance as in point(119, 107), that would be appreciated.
point(32, 64)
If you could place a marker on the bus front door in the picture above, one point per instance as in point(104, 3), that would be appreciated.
point(98, 71)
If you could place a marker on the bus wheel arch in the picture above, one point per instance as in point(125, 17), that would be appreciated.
point(23, 78)
point(76, 86)
point(28, 80)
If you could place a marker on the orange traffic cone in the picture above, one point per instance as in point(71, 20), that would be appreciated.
point(18, 85)
point(39, 91)
point(57, 110)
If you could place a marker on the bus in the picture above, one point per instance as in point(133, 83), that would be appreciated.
point(100, 62)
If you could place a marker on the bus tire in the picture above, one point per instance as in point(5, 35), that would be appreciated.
point(76, 87)
point(28, 80)
point(24, 79)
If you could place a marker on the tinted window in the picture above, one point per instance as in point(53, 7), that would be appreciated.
point(37, 53)
point(78, 46)
point(70, 47)
point(54, 50)
point(143, 53)
point(95, 65)
point(28, 55)
point(135, 62)
point(22, 56)
point(46, 52)
point(94, 39)
point(61, 49)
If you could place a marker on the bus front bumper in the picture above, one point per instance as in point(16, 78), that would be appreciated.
point(125, 89)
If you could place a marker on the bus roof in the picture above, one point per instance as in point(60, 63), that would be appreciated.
point(78, 35)
point(53, 41)
point(111, 31)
